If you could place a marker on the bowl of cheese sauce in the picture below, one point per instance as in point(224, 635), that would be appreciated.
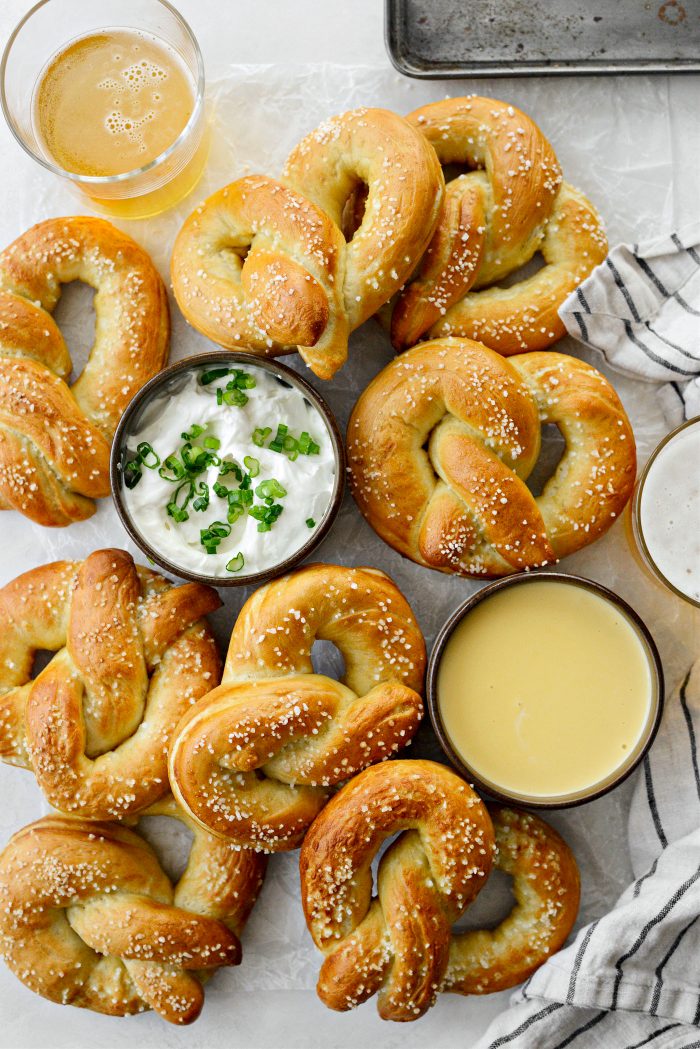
point(227, 469)
point(545, 689)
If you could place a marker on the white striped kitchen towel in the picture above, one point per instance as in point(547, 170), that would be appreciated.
point(641, 309)
point(632, 978)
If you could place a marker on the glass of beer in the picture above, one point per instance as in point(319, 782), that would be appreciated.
point(110, 97)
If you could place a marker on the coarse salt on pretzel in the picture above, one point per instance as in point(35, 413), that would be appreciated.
point(494, 218)
point(442, 441)
point(55, 437)
point(132, 653)
point(255, 758)
point(399, 944)
point(89, 918)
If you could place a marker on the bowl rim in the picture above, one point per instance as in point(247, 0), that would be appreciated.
point(281, 371)
point(431, 690)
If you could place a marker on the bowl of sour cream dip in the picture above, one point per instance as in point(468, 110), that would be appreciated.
point(227, 469)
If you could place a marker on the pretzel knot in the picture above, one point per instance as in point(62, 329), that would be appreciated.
point(399, 944)
point(89, 918)
point(442, 441)
point(254, 759)
point(263, 265)
point(132, 654)
point(55, 438)
point(512, 204)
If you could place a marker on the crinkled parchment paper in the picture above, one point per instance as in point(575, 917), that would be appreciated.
point(616, 142)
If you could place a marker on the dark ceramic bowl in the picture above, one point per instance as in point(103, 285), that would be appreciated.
point(166, 380)
point(619, 774)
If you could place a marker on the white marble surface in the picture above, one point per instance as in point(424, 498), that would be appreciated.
point(634, 145)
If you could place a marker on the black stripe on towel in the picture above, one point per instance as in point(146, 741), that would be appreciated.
point(582, 299)
point(577, 962)
point(653, 808)
point(526, 1025)
point(691, 251)
point(686, 305)
point(659, 985)
point(673, 345)
point(582, 1030)
point(623, 288)
point(648, 272)
point(691, 731)
point(581, 326)
point(629, 331)
point(652, 923)
point(649, 874)
point(661, 1030)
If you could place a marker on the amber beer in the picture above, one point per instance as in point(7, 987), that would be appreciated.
point(112, 103)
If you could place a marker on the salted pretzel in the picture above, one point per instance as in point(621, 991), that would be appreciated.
point(89, 918)
point(132, 653)
point(55, 436)
point(512, 204)
point(442, 441)
point(263, 266)
point(255, 758)
point(399, 944)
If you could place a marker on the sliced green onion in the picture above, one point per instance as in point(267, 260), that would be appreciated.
point(219, 395)
point(242, 380)
point(233, 397)
point(173, 465)
point(211, 375)
point(195, 431)
point(132, 473)
point(228, 466)
point(277, 444)
point(201, 491)
point(147, 455)
point(260, 435)
point(310, 522)
point(252, 465)
point(212, 443)
point(221, 490)
point(271, 489)
point(234, 512)
point(177, 508)
point(266, 515)
point(236, 563)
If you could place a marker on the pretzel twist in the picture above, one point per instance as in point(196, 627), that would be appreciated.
point(89, 918)
point(399, 944)
point(263, 266)
point(493, 220)
point(55, 438)
point(132, 654)
point(254, 759)
point(442, 441)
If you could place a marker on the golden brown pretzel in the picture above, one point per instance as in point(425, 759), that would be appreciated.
point(254, 759)
point(399, 944)
point(89, 918)
point(132, 654)
point(263, 266)
point(442, 441)
point(494, 219)
point(54, 439)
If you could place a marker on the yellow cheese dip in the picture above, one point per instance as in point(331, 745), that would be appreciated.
point(545, 689)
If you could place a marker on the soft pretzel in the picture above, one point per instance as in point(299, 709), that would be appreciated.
point(89, 918)
point(396, 944)
point(493, 220)
point(442, 441)
point(254, 759)
point(399, 944)
point(55, 438)
point(263, 266)
point(132, 654)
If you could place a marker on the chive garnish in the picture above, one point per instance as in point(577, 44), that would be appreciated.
point(201, 491)
point(195, 431)
point(177, 508)
point(260, 435)
point(310, 523)
point(171, 464)
point(212, 443)
point(210, 376)
point(236, 563)
point(252, 465)
point(271, 489)
point(266, 515)
point(147, 456)
point(132, 473)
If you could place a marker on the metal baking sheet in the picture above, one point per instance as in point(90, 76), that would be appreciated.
point(489, 38)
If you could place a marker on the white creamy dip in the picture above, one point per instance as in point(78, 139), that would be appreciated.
point(308, 480)
point(669, 511)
